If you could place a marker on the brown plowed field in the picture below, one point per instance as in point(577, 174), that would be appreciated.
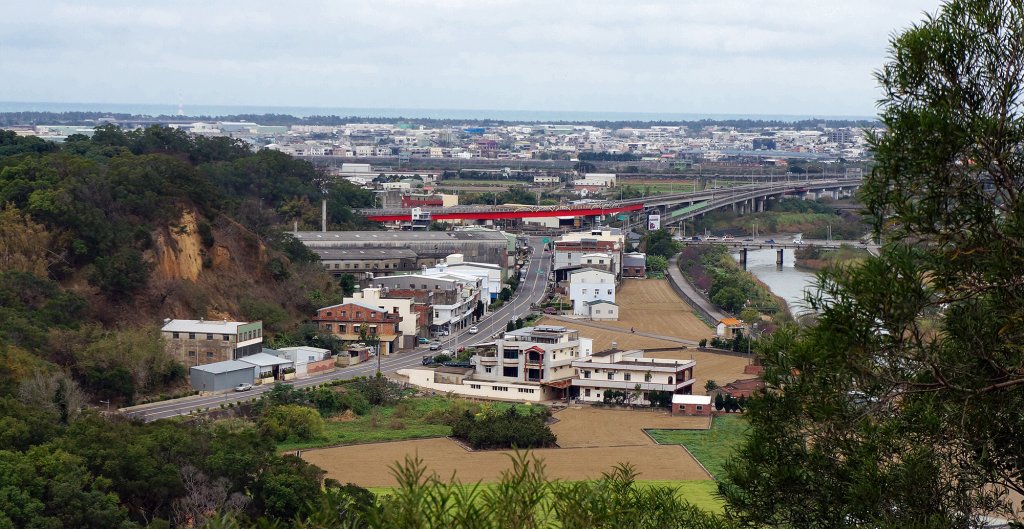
point(650, 305)
point(599, 439)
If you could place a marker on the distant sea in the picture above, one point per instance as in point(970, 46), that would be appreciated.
point(412, 113)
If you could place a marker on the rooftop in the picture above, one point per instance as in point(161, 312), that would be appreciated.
point(399, 236)
point(263, 360)
point(226, 366)
point(342, 254)
point(700, 400)
point(207, 326)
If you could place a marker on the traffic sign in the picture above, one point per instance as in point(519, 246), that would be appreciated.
point(545, 240)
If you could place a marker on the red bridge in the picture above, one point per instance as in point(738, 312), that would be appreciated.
point(504, 212)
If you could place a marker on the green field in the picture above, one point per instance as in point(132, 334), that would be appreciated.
point(711, 447)
point(412, 418)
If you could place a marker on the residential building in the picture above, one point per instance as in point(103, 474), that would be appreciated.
point(269, 366)
point(532, 355)
point(451, 298)
point(197, 342)
point(634, 264)
point(307, 360)
point(600, 309)
point(588, 285)
point(739, 388)
point(573, 249)
point(728, 327)
point(491, 275)
point(629, 371)
point(346, 320)
point(412, 324)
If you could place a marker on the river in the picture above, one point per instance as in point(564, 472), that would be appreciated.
point(788, 282)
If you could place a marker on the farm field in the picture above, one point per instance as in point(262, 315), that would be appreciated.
point(651, 305)
point(712, 447)
point(368, 465)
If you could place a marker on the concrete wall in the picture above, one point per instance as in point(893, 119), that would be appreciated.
point(478, 388)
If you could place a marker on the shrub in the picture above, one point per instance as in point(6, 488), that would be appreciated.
point(290, 421)
point(508, 429)
point(396, 424)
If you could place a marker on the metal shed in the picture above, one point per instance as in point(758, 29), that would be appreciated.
point(221, 376)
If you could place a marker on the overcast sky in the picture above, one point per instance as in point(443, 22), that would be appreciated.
point(803, 57)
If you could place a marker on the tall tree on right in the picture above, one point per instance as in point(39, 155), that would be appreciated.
point(901, 406)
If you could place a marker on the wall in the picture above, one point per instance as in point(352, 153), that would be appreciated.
point(425, 379)
point(203, 381)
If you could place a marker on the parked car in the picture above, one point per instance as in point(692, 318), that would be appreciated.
point(473, 330)
point(770, 241)
point(727, 237)
point(243, 387)
point(695, 238)
point(748, 239)
point(422, 340)
point(550, 310)
point(434, 346)
point(710, 238)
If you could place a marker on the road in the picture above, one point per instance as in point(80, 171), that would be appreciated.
point(531, 290)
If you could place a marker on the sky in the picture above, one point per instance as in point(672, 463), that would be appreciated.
point(797, 57)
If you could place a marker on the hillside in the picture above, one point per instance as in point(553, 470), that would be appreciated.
point(104, 237)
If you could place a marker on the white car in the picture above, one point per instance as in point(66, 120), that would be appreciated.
point(710, 238)
point(243, 387)
point(473, 330)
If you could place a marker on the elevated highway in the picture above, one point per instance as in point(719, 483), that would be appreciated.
point(674, 207)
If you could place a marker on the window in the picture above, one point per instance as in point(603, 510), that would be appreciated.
point(191, 336)
point(209, 354)
point(647, 377)
point(209, 336)
point(343, 313)
point(584, 291)
point(586, 392)
point(525, 390)
point(174, 335)
point(627, 377)
point(590, 261)
point(500, 388)
point(598, 311)
point(474, 386)
point(586, 374)
point(510, 354)
point(226, 337)
point(487, 370)
point(512, 372)
point(341, 329)
point(611, 376)
point(191, 354)
point(700, 408)
point(328, 313)
point(327, 327)
point(609, 291)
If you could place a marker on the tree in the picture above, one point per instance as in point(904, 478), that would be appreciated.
point(710, 385)
point(719, 402)
point(120, 275)
point(657, 263)
point(660, 243)
point(510, 326)
point(902, 404)
point(348, 284)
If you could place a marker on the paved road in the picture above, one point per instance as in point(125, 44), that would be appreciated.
point(531, 290)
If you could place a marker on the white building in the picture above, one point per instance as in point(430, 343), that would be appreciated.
point(573, 250)
point(631, 372)
point(401, 306)
point(489, 274)
point(588, 285)
point(302, 356)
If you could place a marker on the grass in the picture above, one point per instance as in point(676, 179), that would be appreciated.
point(711, 447)
point(412, 413)
point(702, 493)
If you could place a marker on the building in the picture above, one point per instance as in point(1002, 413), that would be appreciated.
point(491, 275)
point(451, 298)
point(307, 360)
point(355, 354)
point(197, 342)
point(362, 261)
point(412, 322)
point(430, 247)
point(629, 371)
point(691, 405)
point(221, 376)
point(572, 250)
point(546, 179)
point(345, 321)
point(600, 309)
point(634, 264)
point(269, 366)
point(728, 327)
point(590, 284)
point(739, 388)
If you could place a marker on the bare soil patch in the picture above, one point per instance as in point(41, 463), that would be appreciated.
point(593, 441)
point(650, 305)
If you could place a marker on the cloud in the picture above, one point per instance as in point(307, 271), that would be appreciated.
point(727, 56)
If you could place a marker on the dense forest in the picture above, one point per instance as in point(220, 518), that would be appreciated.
point(102, 238)
point(93, 117)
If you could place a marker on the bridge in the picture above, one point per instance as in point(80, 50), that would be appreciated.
point(674, 208)
point(747, 244)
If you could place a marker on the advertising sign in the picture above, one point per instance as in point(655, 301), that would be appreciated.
point(653, 222)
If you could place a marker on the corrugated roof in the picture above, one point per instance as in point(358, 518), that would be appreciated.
point(226, 366)
point(203, 326)
point(264, 360)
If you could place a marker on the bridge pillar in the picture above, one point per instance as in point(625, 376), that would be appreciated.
point(743, 258)
point(778, 257)
point(760, 204)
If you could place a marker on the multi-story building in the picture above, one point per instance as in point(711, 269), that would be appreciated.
point(413, 322)
point(572, 251)
point(634, 264)
point(589, 285)
point(452, 298)
point(360, 261)
point(431, 247)
point(540, 355)
point(198, 342)
point(346, 321)
point(631, 372)
point(489, 274)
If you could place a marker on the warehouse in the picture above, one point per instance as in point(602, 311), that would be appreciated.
point(431, 247)
point(221, 376)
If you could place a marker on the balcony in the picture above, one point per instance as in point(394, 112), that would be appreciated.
point(630, 384)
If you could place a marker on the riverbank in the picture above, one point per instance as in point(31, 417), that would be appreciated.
point(814, 259)
point(712, 271)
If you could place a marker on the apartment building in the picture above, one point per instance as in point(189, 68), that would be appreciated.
point(629, 371)
point(198, 342)
point(452, 298)
point(346, 320)
point(574, 250)
point(587, 287)
point(413, 323)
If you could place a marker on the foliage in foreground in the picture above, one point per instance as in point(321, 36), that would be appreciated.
point(523, 499)
point(901, 407)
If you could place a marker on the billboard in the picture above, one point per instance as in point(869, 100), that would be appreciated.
point(653, 222)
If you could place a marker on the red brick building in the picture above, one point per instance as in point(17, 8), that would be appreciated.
point(345, 321)
point(692, 405)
